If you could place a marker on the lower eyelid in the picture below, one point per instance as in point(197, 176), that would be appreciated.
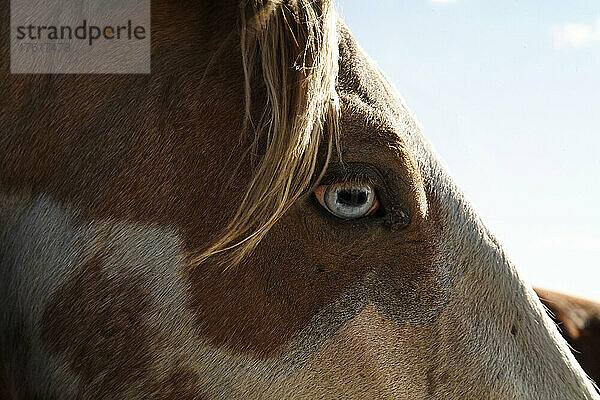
point(374, 207)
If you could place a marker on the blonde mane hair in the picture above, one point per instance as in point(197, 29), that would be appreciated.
point(294, 45)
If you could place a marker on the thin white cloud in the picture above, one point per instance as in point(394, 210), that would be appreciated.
point(576, 35)
point(442, 1)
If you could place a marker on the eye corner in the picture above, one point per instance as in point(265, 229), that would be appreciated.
point(397, 219)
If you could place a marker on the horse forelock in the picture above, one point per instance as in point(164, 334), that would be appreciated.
point(294, 48)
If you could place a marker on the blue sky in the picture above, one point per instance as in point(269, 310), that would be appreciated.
point(509, 94)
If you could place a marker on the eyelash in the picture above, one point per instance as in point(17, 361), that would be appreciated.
point(350, 177)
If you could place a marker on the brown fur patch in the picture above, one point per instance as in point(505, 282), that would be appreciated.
point(257, 307)
point(97, 322)
point(179, 383)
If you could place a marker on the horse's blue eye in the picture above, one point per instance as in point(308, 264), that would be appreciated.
point(348, 200)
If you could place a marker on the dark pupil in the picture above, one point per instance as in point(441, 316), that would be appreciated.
point(352, 197)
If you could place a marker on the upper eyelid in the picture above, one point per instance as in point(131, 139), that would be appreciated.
point(353, 174)
point(349, 179)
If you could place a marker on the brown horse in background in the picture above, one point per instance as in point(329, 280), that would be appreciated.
point(579, 323)
point(259, 218)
